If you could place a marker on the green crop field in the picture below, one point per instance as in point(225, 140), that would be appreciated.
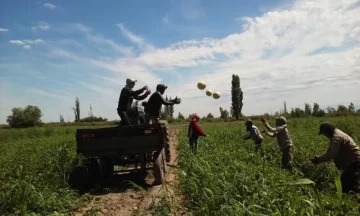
point(227, 177)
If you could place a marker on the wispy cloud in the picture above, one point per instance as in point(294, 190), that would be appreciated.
point(41, 26)
point(18, 42)
point(49, 5)
point(4, 30)
point(98, 38)
point(134, 38)
point(280, 55)
point(26, 43)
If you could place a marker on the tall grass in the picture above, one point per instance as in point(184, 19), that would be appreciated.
point(34, 167)
point(227, 177)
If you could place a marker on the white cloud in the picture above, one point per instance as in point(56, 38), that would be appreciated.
point(18, 42)
point(98, 38)
point(4, 30)
point(308, 52)
point(135, 38)
point(49, 5)
point(41, 26)
point(26, 43)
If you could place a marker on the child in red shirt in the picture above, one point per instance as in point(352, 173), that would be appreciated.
point(194, 132)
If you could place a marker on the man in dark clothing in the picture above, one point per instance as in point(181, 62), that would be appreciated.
point(153, 109)
point(126, 98)
point(345, 154)
point(156, 100)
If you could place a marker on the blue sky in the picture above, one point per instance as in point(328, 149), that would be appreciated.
point(294, 51)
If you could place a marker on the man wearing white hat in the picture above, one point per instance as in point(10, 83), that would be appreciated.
point(126, 98)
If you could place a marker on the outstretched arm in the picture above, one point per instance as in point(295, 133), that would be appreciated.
point(165, 102)
point(142, 97)
point(137, 92)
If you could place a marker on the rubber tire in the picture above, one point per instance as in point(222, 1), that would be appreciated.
point(165, 128)
point(106, 166)
point(79, 179)
point(94, 170)
point(159, 169)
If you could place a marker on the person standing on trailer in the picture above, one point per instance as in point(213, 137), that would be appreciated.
point(155, 102)
point(194, 131)
point(126, 98)
point(346, 155)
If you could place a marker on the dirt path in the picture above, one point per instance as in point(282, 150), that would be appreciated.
point(126, 200)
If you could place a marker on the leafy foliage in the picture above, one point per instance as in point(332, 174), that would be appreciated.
point(28, 117)
point(76, 110)
point(224, 114)
point(227, 177)
point(236, 97)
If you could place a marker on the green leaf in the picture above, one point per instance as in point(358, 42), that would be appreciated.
point(303, 181)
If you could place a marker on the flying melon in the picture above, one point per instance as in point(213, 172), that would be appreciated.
point(209, 92)
point(201, 85)
point(216, 95)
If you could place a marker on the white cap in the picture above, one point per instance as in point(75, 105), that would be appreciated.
point(130, 80)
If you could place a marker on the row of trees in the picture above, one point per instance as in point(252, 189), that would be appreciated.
point(31, 116)
point(316, 111)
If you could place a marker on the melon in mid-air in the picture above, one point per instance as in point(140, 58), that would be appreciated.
point(216, 95)
point(209, 92)
point(201, 85)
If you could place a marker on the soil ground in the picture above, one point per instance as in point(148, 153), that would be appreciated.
point(121, 198)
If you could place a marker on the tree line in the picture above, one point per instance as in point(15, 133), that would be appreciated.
point(31, 115)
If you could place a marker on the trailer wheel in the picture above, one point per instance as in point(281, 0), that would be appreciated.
point(106, 166)
point(78, 179)
point(165, 128)
point(159, 168)
point(93, 170)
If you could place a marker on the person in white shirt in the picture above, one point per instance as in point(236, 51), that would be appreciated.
point(254, 134)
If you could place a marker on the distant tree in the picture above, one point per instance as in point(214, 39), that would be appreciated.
point(297, 112)
point(321, 113)
point(90, 114)
point(181, 116)
point(316, 109)
point(236, 97)
point(330, 109)
point(93, 119)
point(351, 107)
point(77, 110)
point(276, 113)
point(307, 110)
point(317, 112)
point(62, 119)
point(224, 113)
point(285, 108)
point(28, 117)
point(342, 108)
point(209, 115)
